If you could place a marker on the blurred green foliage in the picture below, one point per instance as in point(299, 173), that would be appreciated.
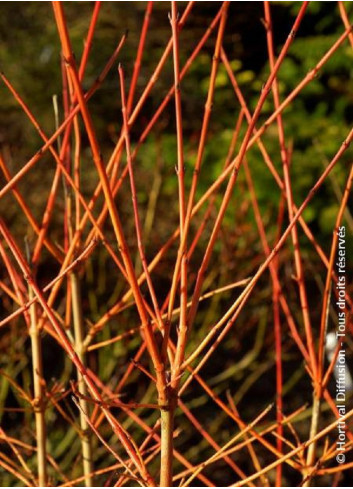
point(316, 123)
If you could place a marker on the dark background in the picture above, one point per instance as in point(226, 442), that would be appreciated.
point(316, 124)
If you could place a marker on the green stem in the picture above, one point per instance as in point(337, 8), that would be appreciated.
point(39, 409)
point(82, 388)
point(311, 455)
point(167, 426)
